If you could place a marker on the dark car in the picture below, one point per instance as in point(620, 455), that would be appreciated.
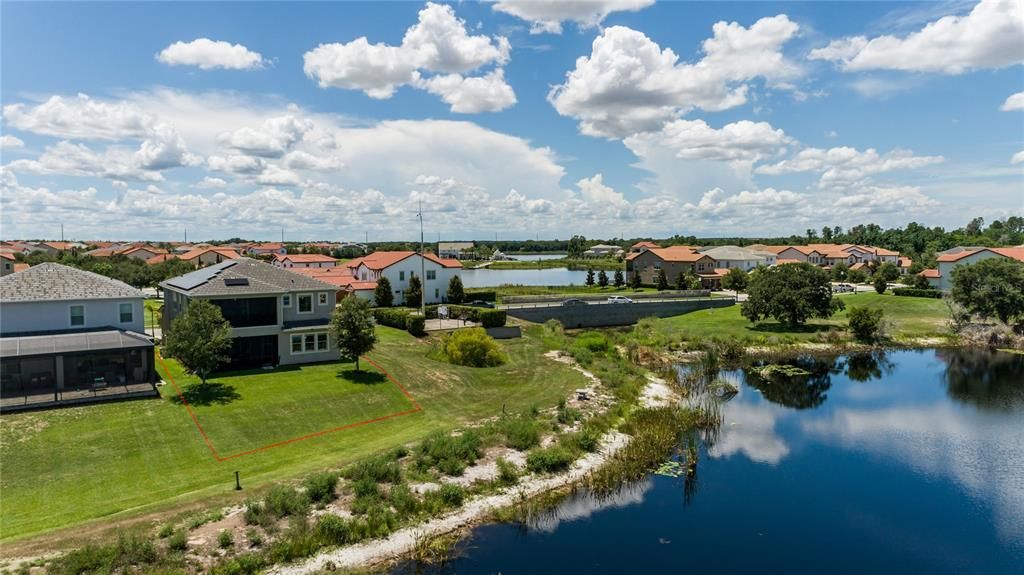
point(574, 302)
point(481, 303)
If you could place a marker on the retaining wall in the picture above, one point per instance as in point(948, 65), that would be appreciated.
point(606, 315)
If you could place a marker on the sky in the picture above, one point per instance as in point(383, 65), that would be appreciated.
point(517, 120)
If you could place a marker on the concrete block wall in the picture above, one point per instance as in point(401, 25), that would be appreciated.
point(606, 315)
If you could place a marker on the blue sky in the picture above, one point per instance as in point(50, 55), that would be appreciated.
point(618, 117)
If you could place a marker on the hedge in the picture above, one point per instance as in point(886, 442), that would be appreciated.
point(416, 324)
point(484, 316)
point(482, 295)
point(400, 318)
point(914, 292)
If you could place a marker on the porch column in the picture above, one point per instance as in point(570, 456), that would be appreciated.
point(59, 368)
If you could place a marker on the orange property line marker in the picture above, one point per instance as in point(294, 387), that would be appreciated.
point(218, 457)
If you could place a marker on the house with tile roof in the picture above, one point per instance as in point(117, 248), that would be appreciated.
point(276, 316)
point(674, 260)
point(941, 277)
point(267, 249)
point(342, 278)
point(304, 261)
point(641, 246)
point(400, 266)
point(68, 336)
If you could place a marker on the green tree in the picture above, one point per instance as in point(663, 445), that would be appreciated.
point(619, 281)
point(918, 281)
point(993, 287)
point(414, 294)
point(840, 272)
point(856, 276)
point(577, 245)
point(661, 282)
point(634, 281)
point(199, 338)
point(682, 282)
point(790, 293)
point(353, 327)
point(865, 322)
point(692, 281)
point(602, 278)
point(888, 271)
point(590, 277)
point(456, 294)
point(735, 280)
point(382, 294)
point(880, 284)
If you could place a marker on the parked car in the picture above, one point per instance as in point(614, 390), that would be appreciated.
point(481, 303)
point(619, 299)
point(574, 301)
point(843, 288)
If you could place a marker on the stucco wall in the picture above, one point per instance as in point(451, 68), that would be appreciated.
point(602, 315)
point(18, 317)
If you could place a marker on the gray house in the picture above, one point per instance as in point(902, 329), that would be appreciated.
point(277, 316)
point(68, 335)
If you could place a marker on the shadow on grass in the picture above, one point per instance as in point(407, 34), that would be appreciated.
point(362, 377)
point(208, 393)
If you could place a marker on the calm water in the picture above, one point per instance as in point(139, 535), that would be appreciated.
point(535, 257)
point(908, 462)
point(549, 277)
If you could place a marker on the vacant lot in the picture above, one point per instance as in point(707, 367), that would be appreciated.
point(911, 318)
point(67, 467)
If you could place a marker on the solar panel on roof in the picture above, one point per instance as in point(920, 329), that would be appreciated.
point(199, 277)
point(236, 281)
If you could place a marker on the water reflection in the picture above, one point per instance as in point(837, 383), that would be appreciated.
point(803, 391)
point(863, 367)
point(985, 378)
point(584, 504)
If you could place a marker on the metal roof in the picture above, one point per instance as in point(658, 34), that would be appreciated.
point(30, 345)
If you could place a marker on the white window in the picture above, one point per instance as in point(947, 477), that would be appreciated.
point(126, 312)
point(431, 274)
point(309, 343)
point(286, 299)
point(306, 303)
point(77, 313)
point(321, 298)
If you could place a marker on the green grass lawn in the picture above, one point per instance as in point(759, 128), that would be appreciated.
point(153, 309)
point(911, 317)
point(85, 465)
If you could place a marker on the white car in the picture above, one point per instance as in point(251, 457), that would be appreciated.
point(619, 299)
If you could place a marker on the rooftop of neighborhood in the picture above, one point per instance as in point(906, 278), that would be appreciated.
point(52, 282)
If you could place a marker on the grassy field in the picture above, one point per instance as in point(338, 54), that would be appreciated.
point(911, 318)
point(71, 467)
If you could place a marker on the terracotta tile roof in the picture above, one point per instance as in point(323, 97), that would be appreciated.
point(339, 276)
point(782, 261)
point(7, 256)
point(20, 267)
point(956, 257)
point(160, 258)
point(648, 245)
point(683, 254)
point(933, 274)
point(773, 249)
point(304, 258)
point(382, 260)
point(1015, 253)
point(195, 253)
point(905, 262)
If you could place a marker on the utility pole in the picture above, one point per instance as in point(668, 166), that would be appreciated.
point(282, 235)
point(62, 233)
point(423, 268)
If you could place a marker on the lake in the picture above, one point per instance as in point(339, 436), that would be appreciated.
point(535, 257)
point(903, 462)
point(547, 277)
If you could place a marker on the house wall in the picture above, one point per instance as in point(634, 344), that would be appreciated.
point(945, 282)
point(284, 348)
point(22, 317)
point(398, 275)
point(6, 267)
point(791, 254)
point(745, 265)
point(647, 264)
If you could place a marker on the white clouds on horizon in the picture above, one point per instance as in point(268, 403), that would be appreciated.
point(209, 54)
point(546, 17)
point(846, 166)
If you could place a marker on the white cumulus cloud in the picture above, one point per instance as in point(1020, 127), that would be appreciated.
point(211, 54)
point(8, 142)
point(742, 141)
point(843, 166)
point(546, 16)
point(991, 36)
point(1014, 102)
point(272, 139)
point(488, 93)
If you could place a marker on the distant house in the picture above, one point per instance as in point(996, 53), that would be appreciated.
point(400, 266)
point(603, 251)
point(7, 263)
point(277, 317)
point(141, 252)
point(68, 335)
point(199, 256)
point(304, 261)
point(641, 246)
point(343, 279)
point(941, 278)
point(454, 250)
point(674, 260)
point(727, 257)
point(268, 249)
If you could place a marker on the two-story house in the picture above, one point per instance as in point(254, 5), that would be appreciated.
point(68, 335)
point(400, 267)
point(674, 260)
point(304, 261)
point(276, 316)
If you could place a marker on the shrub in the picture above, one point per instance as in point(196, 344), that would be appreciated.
point(521, 433)
point(880, 284)
point(284, 501)
point(320, 487)
point(587, 440)
point(452, 495)
point(915, 292)
point(549, 460)
point(165, 531)
point(449, 453)
point(473, 348)
point(492, 317)
point(555, 327)
point(416, 324)
point(508, 474)
point(365, 488)
point(566, 414)
point(256, 514)
point(865, 322)
point(482, 295)
point(178, 541)
point(225, 539)
point(592, 341)
point(391, 317)
point(403, 500)
point(333, 530)
point(255, 537)
point(245, 564)
point(379, 469)
point(297, 542)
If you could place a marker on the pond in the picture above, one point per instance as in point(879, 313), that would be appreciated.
point(546, 277)
point(897, 462)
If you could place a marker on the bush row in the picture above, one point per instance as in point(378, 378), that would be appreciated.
point(400, 318)
point(484, 316)
point(481, 295)
point(914, 292)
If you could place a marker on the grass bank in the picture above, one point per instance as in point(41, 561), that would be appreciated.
point(89, 467)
